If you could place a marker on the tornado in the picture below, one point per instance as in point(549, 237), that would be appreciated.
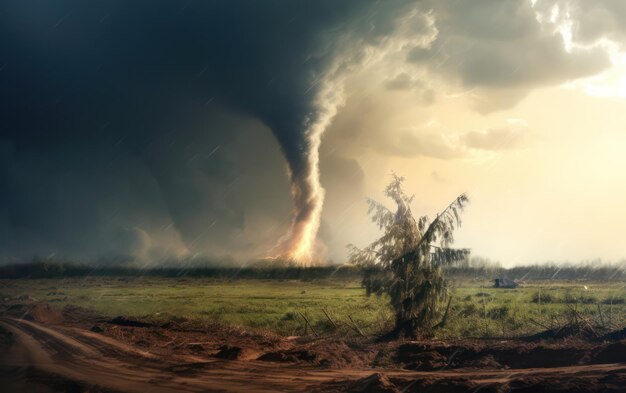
point(300, 245)
point(312, 98)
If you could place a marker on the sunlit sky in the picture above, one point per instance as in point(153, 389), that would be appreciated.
point(546, 171)
point(554, 193)
point(169, 133)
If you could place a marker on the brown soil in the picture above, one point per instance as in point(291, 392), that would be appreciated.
point(77, 350)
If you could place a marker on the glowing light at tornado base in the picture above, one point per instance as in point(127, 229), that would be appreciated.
point(300, 244)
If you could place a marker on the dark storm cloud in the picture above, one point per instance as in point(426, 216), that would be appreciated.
point(103, 106)
point(592, 20)
point(502, 47)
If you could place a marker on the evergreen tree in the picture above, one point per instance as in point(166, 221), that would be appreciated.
point(407, 261)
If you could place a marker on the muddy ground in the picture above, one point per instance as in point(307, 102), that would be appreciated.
point(43, 349)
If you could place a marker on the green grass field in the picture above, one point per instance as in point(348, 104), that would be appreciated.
point(277, 305)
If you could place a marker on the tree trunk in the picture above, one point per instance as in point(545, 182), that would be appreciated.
point(405, 328)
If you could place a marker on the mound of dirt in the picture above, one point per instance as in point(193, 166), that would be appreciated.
point(428, 361)
point(36, 312)
point(333, 354)
point(292, 356)
point(537, 356)
point(236, 353)
point(340, 354)
point(421, 356)
point(175, 322)
point(571, 330)
point(228, 352)
point(123, 321)
point(485, 362)
point(615, 336)
point(434, 356)
point(609, 353)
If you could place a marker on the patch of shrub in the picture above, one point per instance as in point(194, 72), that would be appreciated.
point(572, 299)
point(289, 316)
point(470, 309)
point(614, 300)
point(498, 313)
point(323, 325)
point(539, 297)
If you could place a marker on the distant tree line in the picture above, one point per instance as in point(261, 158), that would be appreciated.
point(474, 269)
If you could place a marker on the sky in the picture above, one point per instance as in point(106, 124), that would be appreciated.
point(237, 130)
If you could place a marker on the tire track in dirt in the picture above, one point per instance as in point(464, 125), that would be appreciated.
point(103, 364)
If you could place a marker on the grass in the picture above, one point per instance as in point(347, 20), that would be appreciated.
point(480, 311)
point(476, 310)
point(267, 304)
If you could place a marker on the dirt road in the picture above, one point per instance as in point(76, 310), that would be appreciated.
point(35, 357)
